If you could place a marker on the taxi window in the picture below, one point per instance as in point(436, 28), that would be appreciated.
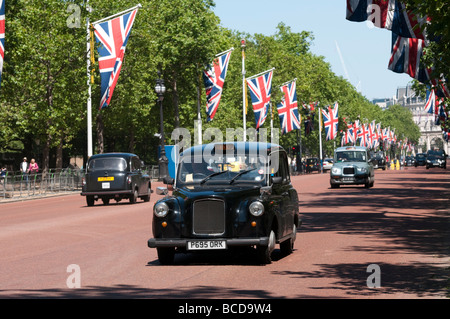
point(111, 163)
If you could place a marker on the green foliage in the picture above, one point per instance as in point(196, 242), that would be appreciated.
point(44, 90)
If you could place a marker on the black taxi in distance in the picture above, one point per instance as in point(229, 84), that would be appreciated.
point(115, 176)
point(224, 196)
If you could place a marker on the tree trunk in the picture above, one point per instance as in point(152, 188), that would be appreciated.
point(132, 140)
point(59, 153)
point(45, 156)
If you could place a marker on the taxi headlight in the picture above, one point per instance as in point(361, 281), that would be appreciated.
point(361, 170)
point(336, 170)
point(256, 209)
point(161, 209)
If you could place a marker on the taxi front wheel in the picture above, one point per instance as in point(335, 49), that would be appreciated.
point(265, 252)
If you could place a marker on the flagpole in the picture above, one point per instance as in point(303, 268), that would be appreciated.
point(199, 117)
point(89, 102)
point(117, 14)
point(244, 138)
point(259, 74)
point(222, 53)
point(320, 138)
point(285, 83)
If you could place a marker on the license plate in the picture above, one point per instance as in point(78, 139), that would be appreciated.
point(106, 185)
point(206, 244)
point(348, 179)
point(105, 179)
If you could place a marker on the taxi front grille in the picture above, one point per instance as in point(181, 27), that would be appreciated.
point(209, 217)
point(349, 171)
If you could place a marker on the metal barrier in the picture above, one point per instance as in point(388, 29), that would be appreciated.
point(17, 185)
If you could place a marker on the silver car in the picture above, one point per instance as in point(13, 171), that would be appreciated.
point(352, 166)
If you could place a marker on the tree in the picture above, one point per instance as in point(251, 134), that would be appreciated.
point(42, 79)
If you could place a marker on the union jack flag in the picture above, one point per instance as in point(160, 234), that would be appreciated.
point(431, 102)
point(446, 135)
point(384, 134)
point(405, 57)
point(373, 136)
point(260, 90)
point(356, 127)
point(214, 79)
point(2, 36)
point(441, 115)
point(363, 135)
point(112, 37)
point(347, 136)
point(387, 14)
point(288, 110)
point(331, 121)
point(309, 124)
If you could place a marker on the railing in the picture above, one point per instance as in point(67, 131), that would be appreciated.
point(15, 185)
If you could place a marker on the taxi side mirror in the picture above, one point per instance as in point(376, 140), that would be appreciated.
point(168, 180)
point(162, 191)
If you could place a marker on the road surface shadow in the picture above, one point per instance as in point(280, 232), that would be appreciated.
point(404, 215)
point(136, 292)
point(419, 280)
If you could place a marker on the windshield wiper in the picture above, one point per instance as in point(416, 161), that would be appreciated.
point(212, 175)
point(240, 174)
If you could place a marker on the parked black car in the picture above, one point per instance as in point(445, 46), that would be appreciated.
point(436, 158)
point(234, 195)
point(312, 164)
point(410, 161)
point(115, 176)
point(421, 159)
point(379, 161)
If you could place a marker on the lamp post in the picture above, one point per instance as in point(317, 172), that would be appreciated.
point(160, 89)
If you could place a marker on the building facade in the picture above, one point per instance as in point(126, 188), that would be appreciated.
point(431, 134)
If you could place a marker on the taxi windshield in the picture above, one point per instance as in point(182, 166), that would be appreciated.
point(350, 156)
point(107, 163)
point(224, 169)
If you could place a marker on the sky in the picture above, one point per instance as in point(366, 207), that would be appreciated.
point(357, 51)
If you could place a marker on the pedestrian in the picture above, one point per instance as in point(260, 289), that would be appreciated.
point(2, 174)
point(24, 169)
point(34, 168)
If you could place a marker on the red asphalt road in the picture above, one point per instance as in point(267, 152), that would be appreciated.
point(401, 225)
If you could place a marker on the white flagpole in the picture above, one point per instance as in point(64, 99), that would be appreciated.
point(243, 91)
point(320, 138)
point(259, 74)
point(285, 83)
point(222, 53)
point(117, 14)
point(89, 106)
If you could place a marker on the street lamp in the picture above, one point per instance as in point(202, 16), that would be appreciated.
point(160, 89)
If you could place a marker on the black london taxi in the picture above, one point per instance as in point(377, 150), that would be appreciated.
point(312, 164)
point(227, 195)
point(115, 176)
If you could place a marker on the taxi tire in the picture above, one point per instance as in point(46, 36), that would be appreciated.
point(134, 197)
point(90, 200)
point(287, 247)
point(166, 255)
point(265, 252)
point(146, 198)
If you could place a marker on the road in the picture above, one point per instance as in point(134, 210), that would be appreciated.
point(401, 226)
